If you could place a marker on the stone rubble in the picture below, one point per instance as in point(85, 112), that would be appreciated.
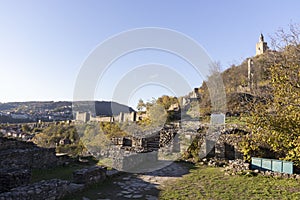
point(88, 176)
point(239, 167)
point(236, 166)
point(46, 190)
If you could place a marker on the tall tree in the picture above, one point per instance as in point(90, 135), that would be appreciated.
point(275, 122)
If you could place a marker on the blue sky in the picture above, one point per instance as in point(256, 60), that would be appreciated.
point(44, 43)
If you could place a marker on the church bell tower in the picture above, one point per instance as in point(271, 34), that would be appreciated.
point(261, 46)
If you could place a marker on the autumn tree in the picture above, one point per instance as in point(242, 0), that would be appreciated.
point(275, 121)
point(166, 101)
point(141, 105)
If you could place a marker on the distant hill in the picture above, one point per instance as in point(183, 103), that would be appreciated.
point(101, 108)
point(32, 111)
point(33, 106)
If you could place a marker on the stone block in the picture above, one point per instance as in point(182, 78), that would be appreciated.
point(90, 175)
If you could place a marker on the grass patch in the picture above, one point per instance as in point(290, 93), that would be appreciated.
point(211, 183)
point(59, 172)
point(236, 120)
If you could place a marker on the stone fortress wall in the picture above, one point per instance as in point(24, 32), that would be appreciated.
point(18, 158)
point(122, 117)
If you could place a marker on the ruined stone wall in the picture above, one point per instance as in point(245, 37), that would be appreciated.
point(133, 161)
point(7, 143)
point(227, 146)
point(17, 158)
point(123, 117)
point(19, 154)
point(54, 188)
point(11, 178)
point(46, 190)
point(28, 158)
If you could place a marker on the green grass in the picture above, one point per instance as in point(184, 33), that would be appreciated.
point(57, 172)
point(201, 183)
point(229, 120)
point(236, 120)
point(60, 172)
point(211, 183)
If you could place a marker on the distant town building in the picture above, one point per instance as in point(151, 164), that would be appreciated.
point(19, 116)
point(65, 141)
point(261, 46)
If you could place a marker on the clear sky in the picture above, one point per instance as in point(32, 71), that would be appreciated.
point(44, 43)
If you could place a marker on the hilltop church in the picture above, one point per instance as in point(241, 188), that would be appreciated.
point(261, 46)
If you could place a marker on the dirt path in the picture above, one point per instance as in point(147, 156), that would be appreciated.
point(142, 186)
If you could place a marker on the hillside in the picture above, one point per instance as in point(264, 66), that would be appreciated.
point(16, 112)
point(239, 96)
point(101, 108)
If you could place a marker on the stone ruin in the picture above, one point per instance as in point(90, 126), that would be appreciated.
point(11, 178)
point(146, 141)
point(17, 158)
point(46, 190)
point(225, 145)
point(20, 154)
point(129, 152)
point(56, 188)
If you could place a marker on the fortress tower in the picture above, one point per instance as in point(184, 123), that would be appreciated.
point(261, 46)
